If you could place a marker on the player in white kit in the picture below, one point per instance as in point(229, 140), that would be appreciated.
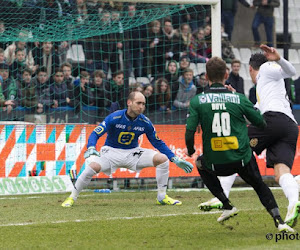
point(268, 71)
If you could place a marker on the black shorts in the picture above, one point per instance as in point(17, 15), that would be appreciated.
point(249, 172)
point(279, 138)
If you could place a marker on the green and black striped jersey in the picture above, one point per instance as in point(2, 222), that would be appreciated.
point(221, 114)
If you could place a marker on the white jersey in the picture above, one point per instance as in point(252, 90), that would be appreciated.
point(270, 87)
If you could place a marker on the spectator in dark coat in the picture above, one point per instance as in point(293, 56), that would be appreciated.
point(234, 79)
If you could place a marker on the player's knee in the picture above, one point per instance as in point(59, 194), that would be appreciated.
point(279, 170)
point(95, 166)
point(159, 159)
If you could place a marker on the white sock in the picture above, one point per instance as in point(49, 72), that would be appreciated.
point(290, 188)
point(82, 181)
point(227, 182)
point(162, 176)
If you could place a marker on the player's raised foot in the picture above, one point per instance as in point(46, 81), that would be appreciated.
point(292, 215)
point(227, 214)
point(213, 203)
point(168, 201)
point(284, 228)
point(68, 202)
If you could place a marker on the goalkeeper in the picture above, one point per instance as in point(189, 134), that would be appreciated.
point(121, 150)
point(226, 148)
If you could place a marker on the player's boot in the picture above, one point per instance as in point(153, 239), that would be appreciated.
point(227, 214)
point(168, 201)
point(213, 203)
point(285, 228)
point(68, 202)
point(292, 215)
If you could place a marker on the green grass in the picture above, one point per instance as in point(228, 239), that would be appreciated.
point(132, 220)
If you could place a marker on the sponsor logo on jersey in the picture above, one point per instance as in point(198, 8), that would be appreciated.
point(121, 126)
point(139, 128)
point(99, 129)
point(220, 97)
point(202, 99)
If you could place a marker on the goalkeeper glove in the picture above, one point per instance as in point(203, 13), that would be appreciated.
point(91, 151)
point(183, 164)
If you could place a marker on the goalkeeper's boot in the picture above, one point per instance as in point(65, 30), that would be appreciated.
point(68, 202)
point(227, 214)
point(292, 215)
point(168, 201)
point(213, 203)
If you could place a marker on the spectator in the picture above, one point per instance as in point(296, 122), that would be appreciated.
point(135, 43)
point(2, 58)
point(97, 53)
point(171, 41)
point(116, 91)
point(150, 101)
point(47, 57)
point(97, 87)
point(67, 70)
point(42, 85)
point(10, 53)
point(3, 33)
point(207, 32)
point(228, 11)
point(116, 43)
point(155, 49)
point(87, 98)
point(9, 87)
point(137, 86)
point(227, 52)
point(93, 7)
point(172, 76)
point(185, 36)
point(197, 48)
point(163, 95)
point(19, 64)
point(27, 92)
point(184, 63)
point(81, 11)
point(201, 83)
point(234, 79)
point(3, 102)
point(186, 91)
point(5, 84)
point(58, 90)
point(82, 93)
point(264, 14)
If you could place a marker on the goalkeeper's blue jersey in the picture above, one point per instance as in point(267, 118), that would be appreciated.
point(123, 132)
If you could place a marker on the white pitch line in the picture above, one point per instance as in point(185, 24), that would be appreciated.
point(107, 219)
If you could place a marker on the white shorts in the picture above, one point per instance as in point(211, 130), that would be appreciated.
point(113, 158)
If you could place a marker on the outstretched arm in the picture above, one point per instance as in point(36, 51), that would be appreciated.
point(273, 55)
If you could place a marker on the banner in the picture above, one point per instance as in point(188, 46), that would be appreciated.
point(35, 185)
point(55, 149)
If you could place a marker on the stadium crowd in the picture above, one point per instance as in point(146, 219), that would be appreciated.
point(39, 76)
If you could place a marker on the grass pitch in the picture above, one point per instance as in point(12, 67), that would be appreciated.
point(132, 220)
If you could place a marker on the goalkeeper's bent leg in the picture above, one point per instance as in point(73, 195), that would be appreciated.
point(82, 182)
point(162, 176)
